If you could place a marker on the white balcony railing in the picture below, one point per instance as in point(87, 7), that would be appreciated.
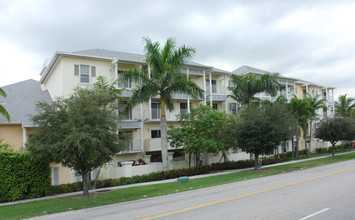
point(153, 144)
point(132, 146)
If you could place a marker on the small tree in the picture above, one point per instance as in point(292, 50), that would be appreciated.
point(335, 129)
point(201, 131)
point(79, 132)
point(260, 130)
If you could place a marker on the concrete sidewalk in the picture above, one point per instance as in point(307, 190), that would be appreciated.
point(161, 181)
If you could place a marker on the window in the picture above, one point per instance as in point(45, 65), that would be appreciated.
point(183, 108)
point(125, 83)
point(285, 147)
point(231, 84)
point(156, 110)
point(233, 108)
point(55, 176)
point(215, 106)
point(83, 71)
point(324, 112)
point(155, 134)
point(214, 85)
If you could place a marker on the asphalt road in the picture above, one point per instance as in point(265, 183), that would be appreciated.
point(326, 192)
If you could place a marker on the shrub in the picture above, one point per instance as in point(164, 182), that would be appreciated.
point(169, 174)
point(21, 177)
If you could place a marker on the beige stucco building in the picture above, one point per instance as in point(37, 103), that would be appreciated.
point(66, 71)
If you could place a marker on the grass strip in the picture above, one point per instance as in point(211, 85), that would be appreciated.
point(43, 207)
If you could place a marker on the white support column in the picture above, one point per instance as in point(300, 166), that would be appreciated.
point(294, 88)
point(24, 137)
point(210, 79)
point(204, 86)
point(141, 116)
point(115, 74)
point(307, 88)
point(150, 99)
point(286, 89)
point(188, 97)
point(225, 92)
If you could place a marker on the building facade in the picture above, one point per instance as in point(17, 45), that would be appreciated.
point(67, 71)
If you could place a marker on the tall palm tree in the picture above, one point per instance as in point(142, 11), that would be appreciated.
point(3, 111)
point(344, 106)
point(315, 103)
point(247, 86)
point(301, 109)
point(165, 79)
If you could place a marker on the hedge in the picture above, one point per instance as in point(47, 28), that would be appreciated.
point(163, 175)
point(21, 177)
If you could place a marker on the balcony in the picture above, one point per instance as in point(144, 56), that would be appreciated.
point(131, 120)
point(154, 144)
point(219, 93)
point(132, 146)
point(155, 115)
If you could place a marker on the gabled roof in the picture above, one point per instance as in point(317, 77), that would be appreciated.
point(247, 69)
point(21, 101)
point(106, 55)
point(216, 70)
point(112, 55)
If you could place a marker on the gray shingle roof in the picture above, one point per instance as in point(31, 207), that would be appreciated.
point(21, 101)
point(112, 55)
point(247, 69)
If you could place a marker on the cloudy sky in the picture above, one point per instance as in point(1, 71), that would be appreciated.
point(309, 40)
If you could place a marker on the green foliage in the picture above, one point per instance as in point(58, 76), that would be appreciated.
point(163, 175)
point(164, 78)
point(336, 129)
point(21, 177)
point(344, 106)
point(248, 85)
point(3, 111)
point(201, 131)
point(261, 129)
point(79, 132)
point(4, 146)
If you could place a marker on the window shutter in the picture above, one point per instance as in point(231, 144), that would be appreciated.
point(76, 70)
point(93, 71)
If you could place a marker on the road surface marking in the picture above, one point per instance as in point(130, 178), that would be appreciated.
point(242, 196)
point(316, 213)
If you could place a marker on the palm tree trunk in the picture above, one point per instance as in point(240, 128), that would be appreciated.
point(164, 138)
point(297, 142)
point(310, 137)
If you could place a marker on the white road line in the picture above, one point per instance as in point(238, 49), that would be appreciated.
point(316, 213)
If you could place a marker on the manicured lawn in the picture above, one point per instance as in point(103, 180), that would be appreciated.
point(43, 207)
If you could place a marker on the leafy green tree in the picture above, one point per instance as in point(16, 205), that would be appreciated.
point(301, 109)
point(315, 104)
point(344, 106)
point(3, 111)
point(202, 131)
point(263, 128)
point(165, 79)
point(247, 86)
point(335, 129)
point(79, 132)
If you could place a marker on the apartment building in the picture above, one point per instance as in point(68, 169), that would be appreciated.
point(289, 87)
point(69, 70)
